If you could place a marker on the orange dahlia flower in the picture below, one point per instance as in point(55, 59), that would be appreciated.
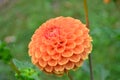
point(106, 1)
point(60, 44)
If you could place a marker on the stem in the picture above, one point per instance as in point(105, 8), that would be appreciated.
point(90, 66)
point(87, 25)
point(69, 76)
point(86, 13)
point(13, 66)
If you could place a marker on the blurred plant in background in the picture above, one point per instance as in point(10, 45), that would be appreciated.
point(20, 18)
point(5, 54)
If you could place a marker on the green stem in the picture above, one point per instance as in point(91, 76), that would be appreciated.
point(86, 13)
point(90, 66)
point(87, 25)
point(13, 66)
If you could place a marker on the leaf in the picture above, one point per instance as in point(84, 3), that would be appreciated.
point(21, 64)
point(27, 71)
point(5, 53)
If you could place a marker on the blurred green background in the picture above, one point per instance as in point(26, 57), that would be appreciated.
point(20, 18)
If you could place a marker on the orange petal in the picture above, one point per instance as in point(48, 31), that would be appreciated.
point(84, 55)
point(45, 41)
point(62, 37)
point(62, 41)
point(76, 25)
point(89, 39)
point(71, 36)
point(75, 58)
point(79, 40)
point(34, 60)
point(42, 48)
point(37, 54)
point(46, 57)
point(70, 45)
point(50, 50)
point(30, 52)
point(48, 68)
point(60, 49)
point(52, 62)
point(78, 64)
point(89, 49)
point(106, 1)
point(85, 35)
point(30, 44)
point(86, 44)
point(78, 32)
point(78, 49)
point(69, 65)
point(63, 61)
point(55, 44)
point(42, 63)
point(56, 56)
point(85, 30)
point(68, 29)
point(67, 53)
point(59, 68)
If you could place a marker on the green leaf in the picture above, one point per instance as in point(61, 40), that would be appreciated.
point(21, 64)
point(5, 53)
point(27, 71)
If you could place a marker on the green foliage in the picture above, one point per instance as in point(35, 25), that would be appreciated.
point(26, 71)
point(5, 53)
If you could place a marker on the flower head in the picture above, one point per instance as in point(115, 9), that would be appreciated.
point(60, 44)
point(106, 1)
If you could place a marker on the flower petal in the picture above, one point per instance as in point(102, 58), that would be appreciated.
point(67, 53)
point(69, 65)
point(78, 49)
point(52, 62)
point(63, 61)
point(42, 63)
point(75, 58)
point(59, 68)
point(48, 68)
point(50, 50)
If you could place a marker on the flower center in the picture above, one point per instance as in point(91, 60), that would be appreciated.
point(52, 32)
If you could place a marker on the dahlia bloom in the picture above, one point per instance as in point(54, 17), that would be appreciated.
point(60, 44)
point(106, 1)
